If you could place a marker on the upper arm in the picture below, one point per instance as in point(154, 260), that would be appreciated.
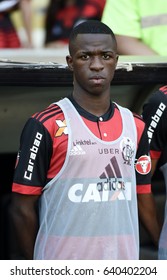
point(24, 204)
point(128, 45)
point(33, 161)
point(25, 220)
point(155, 114)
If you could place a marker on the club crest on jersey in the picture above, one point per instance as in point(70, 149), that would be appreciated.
point(127, 149)
point(143, 165)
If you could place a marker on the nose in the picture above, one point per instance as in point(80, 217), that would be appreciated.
point(96, 63)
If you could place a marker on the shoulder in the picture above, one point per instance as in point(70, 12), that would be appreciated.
point(156, 104)
point(139, 123)
point(158, 96)
point(140, 126)
point(44, 121)
point(163, 89)
point(49, 114)
point(138, 120)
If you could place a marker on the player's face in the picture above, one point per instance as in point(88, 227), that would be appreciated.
point(93, 62)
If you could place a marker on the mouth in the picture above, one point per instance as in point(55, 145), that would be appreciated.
point(97, 79)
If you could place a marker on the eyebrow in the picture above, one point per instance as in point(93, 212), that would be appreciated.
point(90, 52)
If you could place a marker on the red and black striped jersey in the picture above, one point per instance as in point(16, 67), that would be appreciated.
point(61, 18)
point(8, 34)
point(155, 116)
point(43, 146)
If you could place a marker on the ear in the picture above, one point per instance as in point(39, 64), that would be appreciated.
point(116, 60)
point(69, 62)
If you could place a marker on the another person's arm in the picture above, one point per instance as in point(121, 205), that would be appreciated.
point(124, 19)
point(155, 109)
point(26, 12)
point(148, 216)
point(146, 204)
point(154, 163)
point(132, 46)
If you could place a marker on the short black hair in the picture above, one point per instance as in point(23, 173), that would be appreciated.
point(90, 27)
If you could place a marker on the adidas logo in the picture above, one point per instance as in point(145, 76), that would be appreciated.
point(77, 150)
point(112, 170)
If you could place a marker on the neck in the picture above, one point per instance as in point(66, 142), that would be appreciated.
point(96, 105)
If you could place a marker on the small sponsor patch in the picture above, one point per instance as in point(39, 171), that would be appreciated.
point(62, 128)
point(143, 165)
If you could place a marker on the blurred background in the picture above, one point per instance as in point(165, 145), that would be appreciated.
point(39, 8)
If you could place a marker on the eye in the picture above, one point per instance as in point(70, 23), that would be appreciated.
point(85, 56)
point(106, 56)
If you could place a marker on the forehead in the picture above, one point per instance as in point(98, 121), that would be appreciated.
point(90, 42)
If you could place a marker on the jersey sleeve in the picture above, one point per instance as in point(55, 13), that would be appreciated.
point(33, 159)
point(143, 161)
point(155, 116)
